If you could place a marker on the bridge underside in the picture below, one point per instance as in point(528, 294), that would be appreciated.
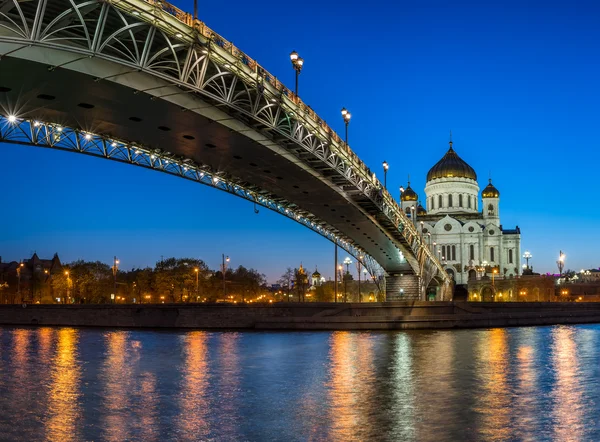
point(29, 89)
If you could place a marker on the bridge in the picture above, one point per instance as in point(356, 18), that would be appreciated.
point(142, 82)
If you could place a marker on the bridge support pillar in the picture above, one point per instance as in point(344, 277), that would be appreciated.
point(402, 288)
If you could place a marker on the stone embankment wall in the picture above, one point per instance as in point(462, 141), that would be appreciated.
point(309, 316)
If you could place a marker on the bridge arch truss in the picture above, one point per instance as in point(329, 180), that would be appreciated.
point(157, 49)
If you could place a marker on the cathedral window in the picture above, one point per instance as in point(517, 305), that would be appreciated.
point(471, 251)
point(432, 203)
point(460, 200)
point(453, 253)
point(443, 252)
point(440, 205)
point(469, 201)
point(490, 209)
point(492, 254)
point(510, 256)
point(450, 201)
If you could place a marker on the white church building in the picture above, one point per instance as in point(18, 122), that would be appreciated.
point(463, 230)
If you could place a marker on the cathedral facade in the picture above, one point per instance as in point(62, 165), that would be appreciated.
point(462, 229)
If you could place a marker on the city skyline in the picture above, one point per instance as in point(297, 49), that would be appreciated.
point(527, 122)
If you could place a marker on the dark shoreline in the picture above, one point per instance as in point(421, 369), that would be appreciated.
point(304, 316)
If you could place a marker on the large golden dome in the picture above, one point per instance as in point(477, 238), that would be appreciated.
point(451, 166)
point(490, 191)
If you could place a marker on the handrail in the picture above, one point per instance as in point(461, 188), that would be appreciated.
point(339, 148)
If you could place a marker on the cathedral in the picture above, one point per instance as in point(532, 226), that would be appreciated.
point(463, 230)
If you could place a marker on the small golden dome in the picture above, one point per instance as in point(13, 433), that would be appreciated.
point(490, 191)
point(409, 194)
point(421, 210)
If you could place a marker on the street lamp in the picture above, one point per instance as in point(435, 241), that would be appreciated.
point(346, 116)
point(527, 257)
point(347, 262)
point(340, 271)
point(197, 270)
point(223, 270)
point(68, 285)
point(358, 267)
point(386, 166)
point(297, 63)
point(115, 269)
point(401, 193)
point(560, 263)
point(19, 281)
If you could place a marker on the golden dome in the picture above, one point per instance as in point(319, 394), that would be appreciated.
point(409, 194)
point(451, 165)
point(421, 210)
point(490, 191)
point(316, 274)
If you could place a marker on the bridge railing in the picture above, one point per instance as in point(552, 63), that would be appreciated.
point(338, 146)
point(260, 71)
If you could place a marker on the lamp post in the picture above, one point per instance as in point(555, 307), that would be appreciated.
point(358, 266)
point(401, 193)
point(346, 116)
point(68, 285)
point(347, 262)
point(297, 63)
point(224, 269)
point(197, 270)
point(560, 263)
point(386, 166)
point(340, 270)
point(19, 281)
point(115, 269)
point(527, 257)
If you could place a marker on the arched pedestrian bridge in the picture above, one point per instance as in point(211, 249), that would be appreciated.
point(142, 82)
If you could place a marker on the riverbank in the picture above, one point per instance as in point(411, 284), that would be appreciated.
point(305, 316)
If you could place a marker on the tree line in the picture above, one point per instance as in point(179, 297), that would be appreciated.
point(171, 280)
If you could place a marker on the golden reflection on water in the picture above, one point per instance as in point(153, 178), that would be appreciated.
point(567, 404)
point(45, 336)
point(117, 378)
point(20, 352)
point(229, 373)
point(526, 407)
point(194, 406)
point(403, 389)
point(351, 376)
point(435, 392)
point(494, 402)
point(63, 398)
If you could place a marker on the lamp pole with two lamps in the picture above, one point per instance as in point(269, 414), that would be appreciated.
point(347, 262)
point(386, 166)
point(527, 257)
point(346, 116)
point(297, 63)
point(561, 264)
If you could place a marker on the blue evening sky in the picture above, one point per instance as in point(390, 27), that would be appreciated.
point(515, 81)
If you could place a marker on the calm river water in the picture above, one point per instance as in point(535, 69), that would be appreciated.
point(533, 384)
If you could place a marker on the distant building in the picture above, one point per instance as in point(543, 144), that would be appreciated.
point(466, 235)
point(29, 279)
point(521, 289)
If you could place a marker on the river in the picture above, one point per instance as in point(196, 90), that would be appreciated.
point(535, 383)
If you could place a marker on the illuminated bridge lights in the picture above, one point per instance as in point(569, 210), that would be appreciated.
point(38, 133)
point(165, 23)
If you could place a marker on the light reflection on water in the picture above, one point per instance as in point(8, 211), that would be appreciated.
point(61, 384)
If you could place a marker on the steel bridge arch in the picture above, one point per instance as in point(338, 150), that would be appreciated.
point(157, 49)
point(36, 133)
